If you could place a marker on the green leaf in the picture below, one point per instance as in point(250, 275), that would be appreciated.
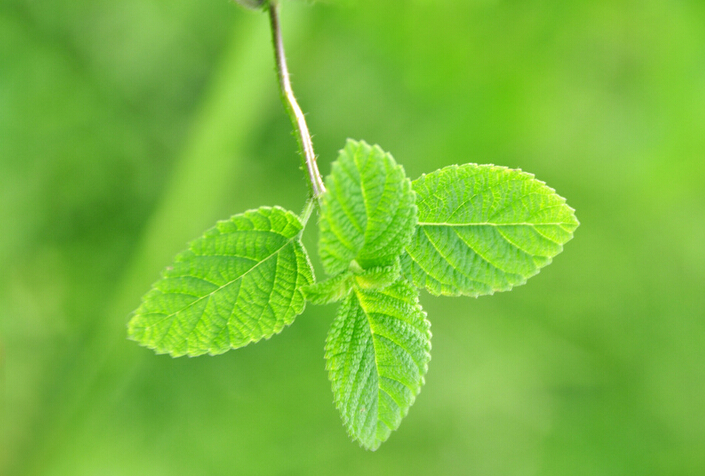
point(331, 290)
point(484, 228)
point(377, 354)
point(337, 288)
point(378, 277)
point(368, 212)
point(240, 282)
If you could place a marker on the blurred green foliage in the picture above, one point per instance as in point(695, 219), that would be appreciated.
point(596, 366)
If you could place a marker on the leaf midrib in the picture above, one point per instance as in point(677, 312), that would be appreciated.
point(376, 353)
point(205, 296)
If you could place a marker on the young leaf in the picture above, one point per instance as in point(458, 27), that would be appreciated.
point(368, 212)
point(240, 282)
point(377, 354)
point(331, 290)
point(378, 277)
point(484, 228)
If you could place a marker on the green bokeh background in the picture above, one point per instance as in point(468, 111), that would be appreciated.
point(127, 128)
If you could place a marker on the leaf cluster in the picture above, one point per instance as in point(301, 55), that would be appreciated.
point(465, 230)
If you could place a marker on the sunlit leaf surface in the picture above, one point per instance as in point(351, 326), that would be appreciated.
point(484, 228)
point(237, 284)
point(377, 354)
point(368, 212)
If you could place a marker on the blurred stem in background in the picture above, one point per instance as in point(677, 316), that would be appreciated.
point(226, 119)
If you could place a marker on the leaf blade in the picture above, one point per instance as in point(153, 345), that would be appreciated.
point(484, 229)
point(368, 212)
point(240, 282)
point(377, 353)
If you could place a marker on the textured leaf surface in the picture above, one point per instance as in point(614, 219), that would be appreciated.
point(378, 277)
point(329, 290)
point(377, 354)
point(484, 228)
point(237, 284)
point(368, 212)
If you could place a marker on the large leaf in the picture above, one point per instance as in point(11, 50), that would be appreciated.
point(240, 282)
point(483, 228)
point(377, 354)
point(368, 212)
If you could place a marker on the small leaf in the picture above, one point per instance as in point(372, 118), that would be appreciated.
point(331, 290)
point(483, 229)
point(379, 277)
point(368, 212)
point(377, 354)
point(240, 282)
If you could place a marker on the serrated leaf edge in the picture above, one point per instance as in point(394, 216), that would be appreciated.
point(423, 369)
point(568, 227)
point(295, 239)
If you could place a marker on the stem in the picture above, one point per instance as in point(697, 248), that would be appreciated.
point(298, 121)
point(306, 213)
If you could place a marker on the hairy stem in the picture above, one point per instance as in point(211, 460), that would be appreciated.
point(303, 136)
point(306, 213)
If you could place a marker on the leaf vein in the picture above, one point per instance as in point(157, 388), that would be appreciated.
point(238, 278)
